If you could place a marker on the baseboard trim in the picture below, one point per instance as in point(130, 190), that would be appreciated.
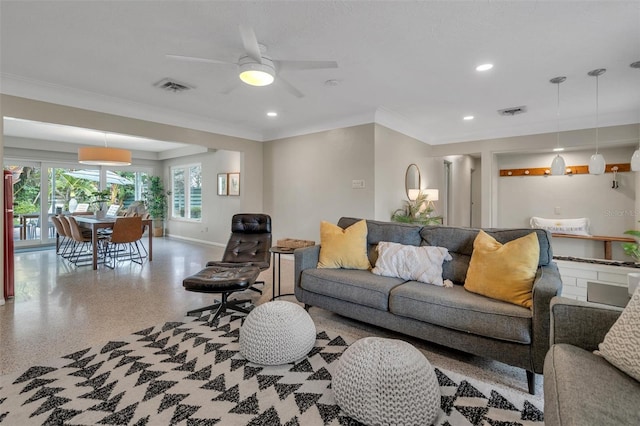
point(195, 240)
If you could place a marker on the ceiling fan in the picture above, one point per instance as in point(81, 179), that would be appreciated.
point(256, 68)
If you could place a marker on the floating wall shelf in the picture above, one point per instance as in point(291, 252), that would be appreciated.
point(570, 170)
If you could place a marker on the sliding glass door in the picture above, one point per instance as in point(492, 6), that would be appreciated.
point(68, 189)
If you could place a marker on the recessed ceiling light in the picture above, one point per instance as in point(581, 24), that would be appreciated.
point(558, 149)
point(484, 67)
point(468, 117)
point(272, 114)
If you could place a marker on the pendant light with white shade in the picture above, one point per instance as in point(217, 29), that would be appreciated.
point(558, 165)
point(596, 162)
point(635, 158)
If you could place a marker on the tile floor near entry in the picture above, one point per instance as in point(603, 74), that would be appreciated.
point(60, 309)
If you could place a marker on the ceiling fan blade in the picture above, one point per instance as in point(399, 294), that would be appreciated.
point(250, 43)
point(289, 87)
point(304, 65)
point(196, 59)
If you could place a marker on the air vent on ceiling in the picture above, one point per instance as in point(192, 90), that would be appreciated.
point(513, 111)
point(172, 85)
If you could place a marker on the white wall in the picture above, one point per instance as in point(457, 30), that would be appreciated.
point(308, 179)
point(490, 149)
point(476, 193)
point(610, 211)
point(2, 215)
point(215, 224)
point(393, 154)
point(459, 209)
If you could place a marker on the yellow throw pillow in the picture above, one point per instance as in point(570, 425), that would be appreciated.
point(343, 248)
point(504, 271)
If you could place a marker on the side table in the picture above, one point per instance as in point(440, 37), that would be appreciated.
point(277, 252)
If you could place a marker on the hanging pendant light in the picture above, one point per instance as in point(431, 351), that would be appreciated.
point(596, 162)
point(104, 156)
point(558, 166)
point(635, 158)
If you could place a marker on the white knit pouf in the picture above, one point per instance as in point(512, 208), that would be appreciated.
point(277, 333)
point(386, 382)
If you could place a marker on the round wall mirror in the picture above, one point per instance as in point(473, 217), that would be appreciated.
point(412, 180)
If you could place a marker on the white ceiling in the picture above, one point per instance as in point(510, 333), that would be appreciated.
point(407, 64)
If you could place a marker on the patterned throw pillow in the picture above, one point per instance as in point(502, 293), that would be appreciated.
point(422, 263)
point(621, 345)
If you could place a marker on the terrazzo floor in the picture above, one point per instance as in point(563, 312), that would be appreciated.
point(60, 308)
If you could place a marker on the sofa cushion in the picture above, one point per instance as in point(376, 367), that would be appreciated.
point(422, 264)
point(377, 231)
point(343, 248)
point(504, 271)
point(459, 242)
point(351, 285)
point(621, 345)
point(581, 388)
point(458, 309)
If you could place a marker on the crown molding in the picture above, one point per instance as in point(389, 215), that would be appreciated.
point(68, 96)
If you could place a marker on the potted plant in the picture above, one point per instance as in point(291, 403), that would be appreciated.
point(155, 200)
point(633, 250)
point(416, 211)
point(100, 201)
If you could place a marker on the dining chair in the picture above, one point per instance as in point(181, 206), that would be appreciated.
point(113, 210)
point(81, 208)
point(81, 238)
point(65, 239)
point(123, 241)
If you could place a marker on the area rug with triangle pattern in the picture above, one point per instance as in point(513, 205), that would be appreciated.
point(189, 373)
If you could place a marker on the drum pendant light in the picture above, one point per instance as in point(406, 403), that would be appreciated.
point(635, 158)
point(558, 165)
point(104, 156)
point(596, 162)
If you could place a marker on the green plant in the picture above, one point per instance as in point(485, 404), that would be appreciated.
point(632, 249)
point(101, 198)
point(416, 211)
point(155, 198)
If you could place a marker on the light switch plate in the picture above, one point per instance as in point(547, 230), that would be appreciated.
point(357, 184)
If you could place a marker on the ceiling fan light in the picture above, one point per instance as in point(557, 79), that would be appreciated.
point(558, 166)
point(596, 164)
point(635, 161)
point(255, 74)
point(103, 156)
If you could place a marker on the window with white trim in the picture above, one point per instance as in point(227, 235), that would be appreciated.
point(186, 192)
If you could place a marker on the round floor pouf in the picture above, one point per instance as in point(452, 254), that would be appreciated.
point(277, 333)
point(386, 382)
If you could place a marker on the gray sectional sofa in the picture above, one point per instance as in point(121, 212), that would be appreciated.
point(581, 388)
point(452, 317)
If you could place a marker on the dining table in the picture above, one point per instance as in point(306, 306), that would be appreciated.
point(95, 224)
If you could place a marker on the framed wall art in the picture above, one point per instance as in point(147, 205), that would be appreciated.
point(233, 182)
point(223, 188)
